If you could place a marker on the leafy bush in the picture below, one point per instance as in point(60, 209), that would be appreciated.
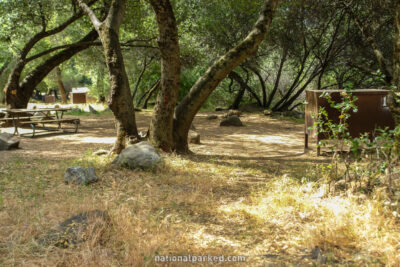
point(369, 161)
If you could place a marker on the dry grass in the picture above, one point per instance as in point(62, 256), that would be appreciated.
point(199, 205)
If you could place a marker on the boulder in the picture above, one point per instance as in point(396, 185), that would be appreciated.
point(80, 176)
point(138, 156)
point(76, 229)
point(211, 117)
point(231, 121)
point(234, 112)
point(194, 137)
point(92, 110)
point(8, 141)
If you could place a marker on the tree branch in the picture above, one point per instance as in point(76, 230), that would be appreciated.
point(93, 18)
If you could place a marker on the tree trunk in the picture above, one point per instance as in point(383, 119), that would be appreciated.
point(278, 79)
point(17, 95)
point(61, 86)
point(238, 98)
point(245, 86)
point(161, 126)
point(206, 84)
point(153, 88)
point(121, 99)
point(262, 84)
point(150, 93)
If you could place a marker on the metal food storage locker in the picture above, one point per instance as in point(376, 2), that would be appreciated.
point(373, 112)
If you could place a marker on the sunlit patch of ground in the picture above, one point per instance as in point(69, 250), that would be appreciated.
point(247, 191)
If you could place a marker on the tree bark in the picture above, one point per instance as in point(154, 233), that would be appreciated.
point(61, 86)
point(121, 98)
point(207, 83)
point(161, 126)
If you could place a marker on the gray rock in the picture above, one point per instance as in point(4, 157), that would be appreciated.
point(138, 156)
point(80, 176)
point(8, 141)
point(101, 152)
point(76, 229)
point(92, 110)
point(231, 121)
point(194, 137)
point(211, 117)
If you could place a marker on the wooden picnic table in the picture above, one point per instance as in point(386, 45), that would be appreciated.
point(34, 117)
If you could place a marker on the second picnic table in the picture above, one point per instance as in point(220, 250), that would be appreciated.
point(35, 117)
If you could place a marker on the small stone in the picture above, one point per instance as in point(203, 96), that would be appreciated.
point(194, 137)
point(231, 121)
point(211, 117)
point(8, 141)
point(80, 176)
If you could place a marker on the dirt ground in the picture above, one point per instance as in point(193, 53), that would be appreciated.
point(248, 191)
point(261, 138)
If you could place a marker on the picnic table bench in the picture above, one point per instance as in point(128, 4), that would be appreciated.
point(35, 117)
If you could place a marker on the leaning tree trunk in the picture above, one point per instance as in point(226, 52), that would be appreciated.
point(206, 84)
point(238, 98)
point(150, 93)
point(121, 99)
point(161, 126)
point(61, 86)
point(19, 94)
